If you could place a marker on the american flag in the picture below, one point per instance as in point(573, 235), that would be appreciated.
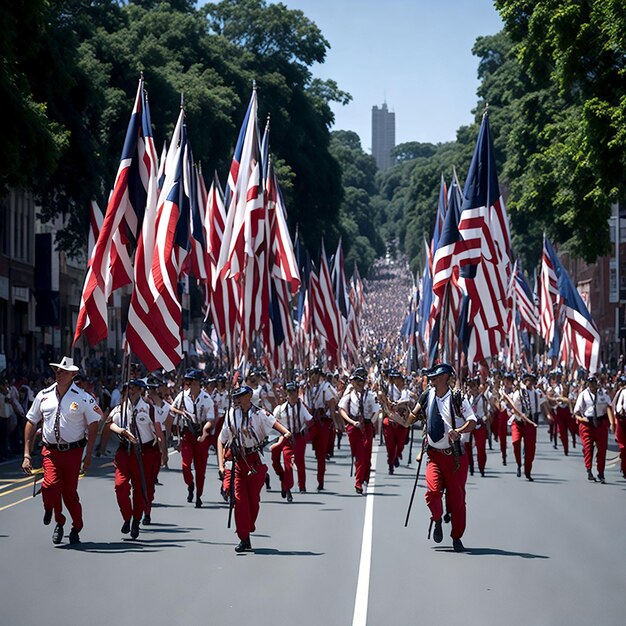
point(525, 302)
point(549, 292)
point(326, 315)
point(485, 258)
point(155, 317)
point(109, 267)
point(579, 332)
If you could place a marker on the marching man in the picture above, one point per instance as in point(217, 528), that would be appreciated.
point(359, 408)
point(239, 443)
point(294, 414)
point(449, 420)
point(67, 413)
point(193, 408)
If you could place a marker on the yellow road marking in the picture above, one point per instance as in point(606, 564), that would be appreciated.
point(8, 506)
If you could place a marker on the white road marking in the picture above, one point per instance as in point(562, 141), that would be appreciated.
point(363, 585)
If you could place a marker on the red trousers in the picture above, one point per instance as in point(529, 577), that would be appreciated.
point(598, 435)
point(478, 437)
point(319, 432)
point(292, 451)
point(60, 484)
point(192, 451)
point(395, 439)
point(440, 476)
point(562, 419)
point(361, 440)
point(250, 475)
point(620, 436)
point(128, 476)
point(523, 431)
point(152, 461)
point(502, 429)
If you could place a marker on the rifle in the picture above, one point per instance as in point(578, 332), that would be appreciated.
point(411, 445)
point(456, 402)
point(138, 453)
point(417, 474)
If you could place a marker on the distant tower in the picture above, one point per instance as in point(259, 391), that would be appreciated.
point(383, 136)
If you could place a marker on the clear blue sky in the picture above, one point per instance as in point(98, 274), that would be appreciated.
point(415, 54)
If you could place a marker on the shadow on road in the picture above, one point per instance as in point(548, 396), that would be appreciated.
point(495, 552)
point(274, 552)
point(128, 545)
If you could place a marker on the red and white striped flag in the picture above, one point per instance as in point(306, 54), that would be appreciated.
point(155, 317)
point(109, 266)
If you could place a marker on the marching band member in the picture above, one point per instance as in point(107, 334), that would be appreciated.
point(594, 414)
point(192, 409)
point(479, 400)
point(295, 416)
point(321, 401)
point(395, 409)
point(239, 443)
point(136, 456)
point(359, 408)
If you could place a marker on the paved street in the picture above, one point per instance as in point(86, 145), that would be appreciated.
point(550, 552)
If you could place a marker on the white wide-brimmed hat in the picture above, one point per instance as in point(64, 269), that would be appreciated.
point(66, 364)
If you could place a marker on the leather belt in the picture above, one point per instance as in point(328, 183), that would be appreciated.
point(446, 451)
point(65, 446)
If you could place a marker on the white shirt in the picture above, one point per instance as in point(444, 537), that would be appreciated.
point(220, 400)
point(536, 399)
point(443, 404)
point(620, 402)
point(318, 396)
point(77, 409)
point(142, 413)
point(480, 406)
point(250, 430)
point(351, 404)
point(557, 390)
point(200, 410)
point(295, 417)
point(585, 402)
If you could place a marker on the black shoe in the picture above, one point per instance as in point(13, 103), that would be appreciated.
point(289, 496)
point(126, 527)
point(482, 473)
point(519, 471)
point(390, 469)
point(47, 517)
point(283, 494)
point(190, 493)
point(146, 520)
point(303, 490)
point(244, 545)
point(359, 490)
point(530, 478)
point(554, 446)
point(438, 532)
point(397, 462)
point(457, 545)
point(267, 482)
point(134, 531)
point(590, 476)
point(503, 461)
point(198, 503)
point(601, 479)
point(74, 538)
point(57, 534)
point(471, 472)
point(320, 487)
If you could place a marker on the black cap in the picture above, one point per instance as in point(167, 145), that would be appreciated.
point(241, 391)
point(441, 368)
point(138, 382)
point(291, 386)
point(193, 374)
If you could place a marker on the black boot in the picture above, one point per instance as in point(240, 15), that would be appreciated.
point(244, 545)
point(190, 493)
point(438, 532)
point(134, 531)
point(126, 527)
